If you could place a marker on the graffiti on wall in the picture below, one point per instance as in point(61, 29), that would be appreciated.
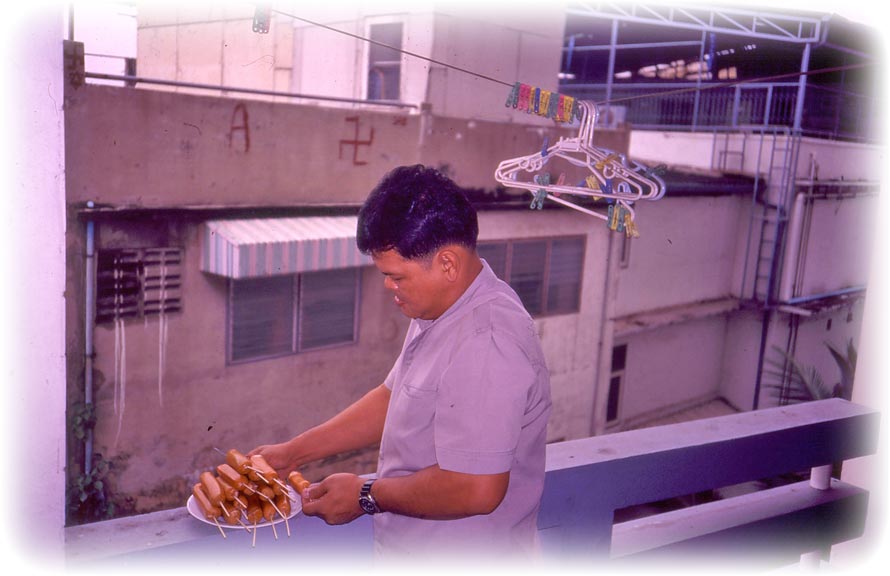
point(239, 129)
point(356, 142)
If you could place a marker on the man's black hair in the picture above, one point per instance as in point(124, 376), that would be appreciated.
point(416, 210)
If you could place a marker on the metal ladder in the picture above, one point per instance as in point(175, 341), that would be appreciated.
point(771, 214)
point(769, 209)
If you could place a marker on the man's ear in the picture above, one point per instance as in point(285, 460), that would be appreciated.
point(450, 262)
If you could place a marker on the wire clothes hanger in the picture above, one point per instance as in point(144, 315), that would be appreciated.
point(612, 176)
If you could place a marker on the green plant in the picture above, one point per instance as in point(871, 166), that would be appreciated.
point(87, 498)
point(805, 383)
point(87, 491)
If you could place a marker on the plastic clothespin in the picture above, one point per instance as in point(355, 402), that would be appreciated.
point(545, 147)
point(540, 195)
point(630, 227)
point(262, 16)
point(602, 163)
point(592, 182)
point(536, 100)
point(513, 98)
point(553, 106)
point(559, 182)
point(657, 171)
point(570, 109)
point(522, 101)
point(538, 200)
point(616, 219)
point(607, 186)
point(545, 103)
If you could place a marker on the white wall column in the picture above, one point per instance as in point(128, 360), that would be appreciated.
point(33, 262)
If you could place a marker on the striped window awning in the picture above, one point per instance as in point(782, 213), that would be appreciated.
point(257, 247)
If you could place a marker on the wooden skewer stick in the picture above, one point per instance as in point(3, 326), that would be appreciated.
point(221, 531)
point(274, 532)
point(254, 534)
point(258, 473)
point(270, 501)
point(287, 525)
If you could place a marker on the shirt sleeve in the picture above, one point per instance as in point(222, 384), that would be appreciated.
point(481, 403)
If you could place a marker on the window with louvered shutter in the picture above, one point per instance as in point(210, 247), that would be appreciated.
point(328, 302)
point(546, 274)
point(278, 315)
point(137, 283)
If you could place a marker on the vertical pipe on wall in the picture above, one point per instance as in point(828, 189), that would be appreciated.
point(90, 290)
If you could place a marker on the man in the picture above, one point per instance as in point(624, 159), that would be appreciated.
point(461, 418)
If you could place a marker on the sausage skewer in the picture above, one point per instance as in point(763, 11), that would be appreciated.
point(283, 504)
point(210, 511)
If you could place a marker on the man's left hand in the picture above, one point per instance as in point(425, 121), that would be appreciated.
point(334, 499)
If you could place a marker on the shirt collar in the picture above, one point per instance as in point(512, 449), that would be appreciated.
point(485, 277)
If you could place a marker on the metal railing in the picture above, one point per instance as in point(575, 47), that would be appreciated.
point(828, 113)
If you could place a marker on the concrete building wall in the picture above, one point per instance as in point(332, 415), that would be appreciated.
point(214, 43)
point(671, 368)
point(685, 253)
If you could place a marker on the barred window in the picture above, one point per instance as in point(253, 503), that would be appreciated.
point(279, 315)
point(546, 273)
point(135, 283)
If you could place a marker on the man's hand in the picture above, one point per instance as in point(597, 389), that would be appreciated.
point(278, 456)
point(334, 499)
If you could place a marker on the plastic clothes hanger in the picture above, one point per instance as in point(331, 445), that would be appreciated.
point(612, 175)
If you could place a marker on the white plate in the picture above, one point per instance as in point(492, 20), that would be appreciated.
point(195, 510)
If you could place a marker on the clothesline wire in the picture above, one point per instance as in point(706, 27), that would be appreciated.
point(384, 45)
point(601, 102)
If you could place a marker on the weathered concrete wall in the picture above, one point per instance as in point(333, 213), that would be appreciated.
point(685, 253)
point(153, 149)
point(671, 366)
point(166, 427)
point(149, 149)
point(142, 150)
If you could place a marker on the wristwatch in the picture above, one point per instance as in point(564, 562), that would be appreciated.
point(366, 501)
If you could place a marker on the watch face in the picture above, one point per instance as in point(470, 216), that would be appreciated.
point(368, 506)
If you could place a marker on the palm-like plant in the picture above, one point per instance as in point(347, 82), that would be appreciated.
point(805, 383)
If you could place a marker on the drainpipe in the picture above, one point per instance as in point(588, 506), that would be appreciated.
point(90, 320)
point(794, 240)
point(604, 360)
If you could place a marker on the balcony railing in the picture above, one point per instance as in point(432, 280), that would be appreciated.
point(591, 484)
point(828, 113)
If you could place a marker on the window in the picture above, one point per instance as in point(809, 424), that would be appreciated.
point(384, 64)
point(619, 361)
point(281, 315)
point(139, 282)
point(546, 274)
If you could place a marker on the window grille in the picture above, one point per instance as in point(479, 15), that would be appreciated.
point(135, 283)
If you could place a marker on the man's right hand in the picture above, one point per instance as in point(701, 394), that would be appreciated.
point(279, 456)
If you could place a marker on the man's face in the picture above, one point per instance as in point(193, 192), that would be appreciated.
point(418, 287)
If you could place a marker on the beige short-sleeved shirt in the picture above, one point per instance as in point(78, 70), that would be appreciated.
point(471, 392)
